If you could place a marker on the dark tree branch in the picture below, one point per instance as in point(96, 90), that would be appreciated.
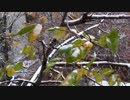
point(44, 62)
point(63, 19)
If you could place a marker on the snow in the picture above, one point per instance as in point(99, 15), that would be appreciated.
point(73, 30)
point(66, 47)
point(113, 78)
point(105, 83)
point(37, 29)
point(108, 40)
point(76, 52)
point(75, 71)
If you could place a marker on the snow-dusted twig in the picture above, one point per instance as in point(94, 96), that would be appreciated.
point(84, 18)
point(96, 63)
point(51, 81)
point(11, 81)
point(119, 16)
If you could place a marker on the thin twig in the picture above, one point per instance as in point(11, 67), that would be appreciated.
point(56, 71)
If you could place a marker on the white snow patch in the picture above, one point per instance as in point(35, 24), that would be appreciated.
point(105, 83)
point(66, 47)
point(75, 71)
point(113, 78)
point(73, 30)
point(37, 29)
point(108, 40)
point(81, 33)
point(76, 52)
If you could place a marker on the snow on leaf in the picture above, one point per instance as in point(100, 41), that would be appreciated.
point(76, 52)
point(37, 30)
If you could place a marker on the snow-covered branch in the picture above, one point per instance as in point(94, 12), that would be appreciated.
point(85, 18)
point(51, 81)
point(120, 16)
point(96, 63)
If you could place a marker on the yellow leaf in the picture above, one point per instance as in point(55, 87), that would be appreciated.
point(10, 72)
point(79, 75)
point(15, 43)
point(32, 37)
point(8, 41)
point(9, 34)
point(44, 18)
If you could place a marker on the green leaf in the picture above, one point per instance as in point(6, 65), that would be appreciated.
point(2, 73)
point(65, 48)
point(18, 66)
point(70, 80)
point(102, 41)
point(32, 54)
point(91, 62)
point(74, 77)
point(10, 71)
point(98, 77)
point(112, 79)
point(60, 33)
point(83, 52)
point(69, 57)
point(106, 71)
point(55, 59)
point(27, 49)
point(113, 41)
point(118, 80)
point(25, 30)
point(77, 42)
point(49, 66)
